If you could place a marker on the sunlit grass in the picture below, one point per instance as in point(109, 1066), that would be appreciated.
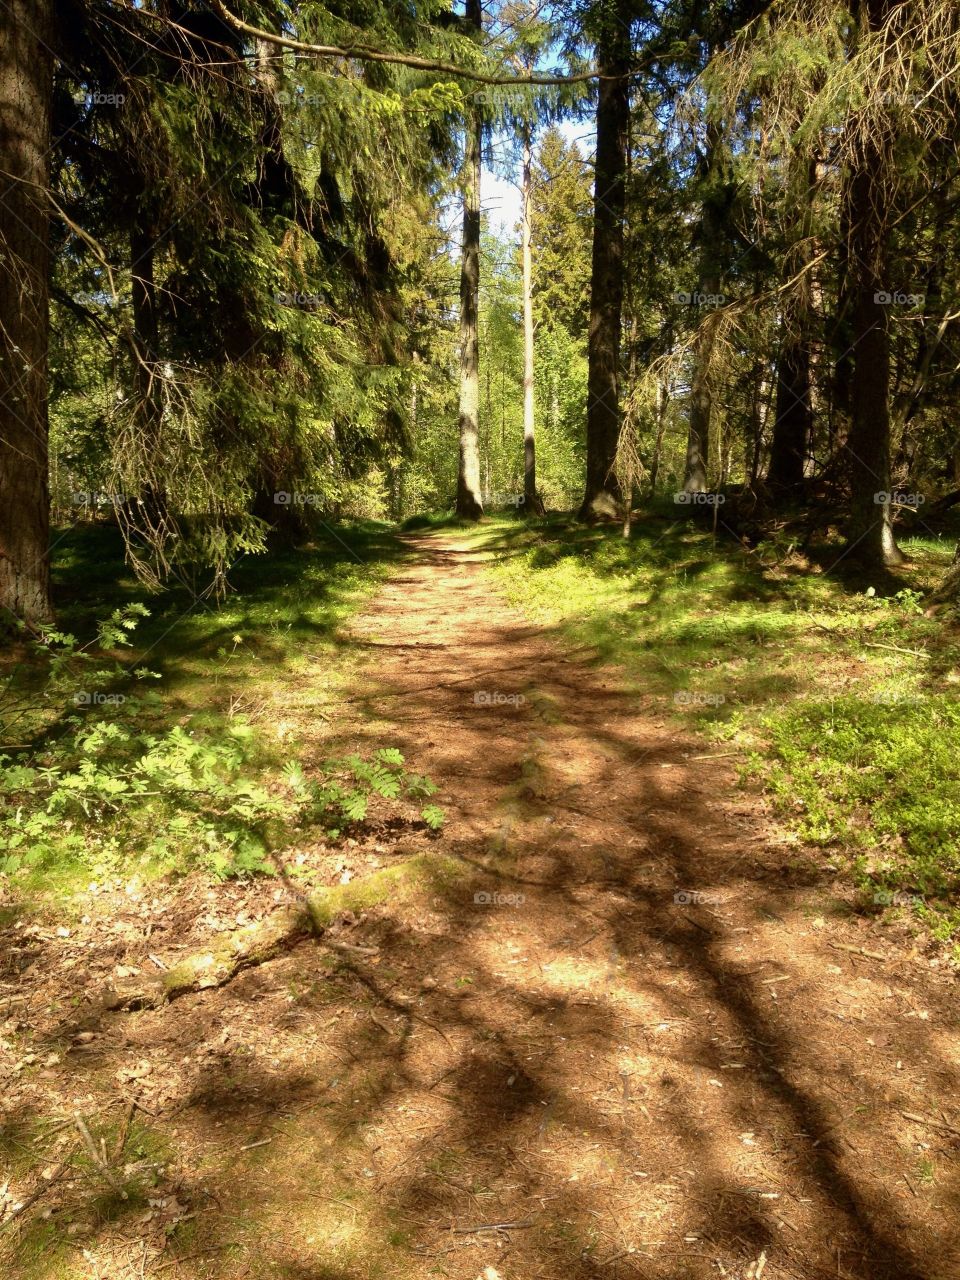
point(842, 698)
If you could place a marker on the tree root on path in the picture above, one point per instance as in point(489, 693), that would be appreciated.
point(253, 944)
point(215, 966)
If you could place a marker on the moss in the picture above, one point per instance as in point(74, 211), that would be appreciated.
point(805, 674)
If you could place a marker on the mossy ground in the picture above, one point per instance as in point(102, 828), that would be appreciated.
point(838, 691)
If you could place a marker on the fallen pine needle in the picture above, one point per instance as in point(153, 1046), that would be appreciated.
point(493, 1226)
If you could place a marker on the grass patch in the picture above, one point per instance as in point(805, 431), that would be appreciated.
point(841, 695)
point(190, 763)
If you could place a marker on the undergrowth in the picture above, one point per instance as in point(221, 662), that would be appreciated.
point(840, 694)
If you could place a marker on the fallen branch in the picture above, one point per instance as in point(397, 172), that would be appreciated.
point(857, 951)
point(190, 1257)
point(124, 1130)
point(217, 965)
point(493, 1226)
point(895, 648)
point(251, 945)
point(929, 1120)
point(46, 1182)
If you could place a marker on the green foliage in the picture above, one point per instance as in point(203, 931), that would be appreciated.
point(342, 795)
point(129, 776)
point(185, 797)
point(757, 652)
point(879, 774)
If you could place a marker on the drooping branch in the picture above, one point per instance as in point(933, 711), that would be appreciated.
point(363, 53)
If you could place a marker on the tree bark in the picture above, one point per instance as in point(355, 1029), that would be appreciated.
point(663, 401)
point(532, 505)
point(793, 423)
point(601, 496)
point(26, 92)
point(870, 539)
point(708, 287)
point(469, 503)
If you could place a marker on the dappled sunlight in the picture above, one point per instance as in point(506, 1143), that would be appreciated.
point(609, 1021)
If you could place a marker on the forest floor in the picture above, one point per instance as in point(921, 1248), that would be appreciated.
point(611, 1022)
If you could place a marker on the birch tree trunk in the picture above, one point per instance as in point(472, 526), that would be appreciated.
point(469, 502)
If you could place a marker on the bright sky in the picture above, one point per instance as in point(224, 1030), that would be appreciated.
point(500, 198)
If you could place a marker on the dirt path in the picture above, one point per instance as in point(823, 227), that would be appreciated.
point(612, 1026)
point(672, 1057)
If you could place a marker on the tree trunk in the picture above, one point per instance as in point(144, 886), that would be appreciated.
point(793, 424)
point(663, 400)
point(601, 497)
point(26, 92)
point(469, 504)
point(532, 504)
point(871, 540)
point(708, 288)
point(701, 410)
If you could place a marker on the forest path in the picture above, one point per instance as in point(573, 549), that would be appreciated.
point(658, 1085)
point(608, 1024)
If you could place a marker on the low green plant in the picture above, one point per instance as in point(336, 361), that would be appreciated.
point(93, 789)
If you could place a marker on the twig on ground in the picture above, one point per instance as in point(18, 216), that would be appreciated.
point(493, 1226)
point(857, 951)
point(124, 1129)
point(199, 1253)
point(895, 648)
point(929, 1120)
point(98, 1161)
point(45, 1184)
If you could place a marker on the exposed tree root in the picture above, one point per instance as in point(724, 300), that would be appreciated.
point(215, 966)
point(239, 949)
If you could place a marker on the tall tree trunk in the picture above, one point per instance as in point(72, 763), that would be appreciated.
point(601, 496)
point(663, 401)
point(26, 93)
point(153, 514)
point(469, 504)
point(708, 286)
point(793, 423)
point(532, 504)
point(871, 540)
